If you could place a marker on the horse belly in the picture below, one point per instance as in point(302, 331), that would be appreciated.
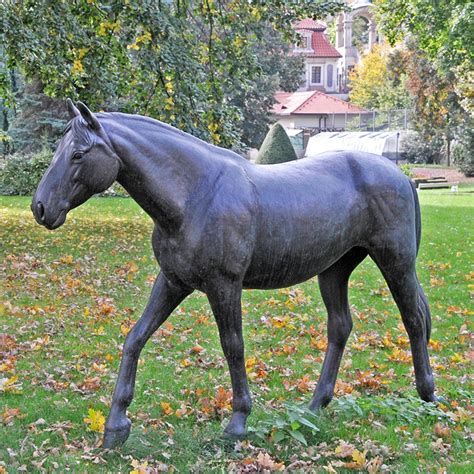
point(294, 260)
point(280, 274)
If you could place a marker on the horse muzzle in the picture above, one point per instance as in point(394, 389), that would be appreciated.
point(48, 217)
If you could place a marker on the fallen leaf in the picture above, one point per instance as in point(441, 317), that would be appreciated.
point(95, 420)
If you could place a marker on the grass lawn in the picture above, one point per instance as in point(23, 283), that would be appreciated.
point(70, 296)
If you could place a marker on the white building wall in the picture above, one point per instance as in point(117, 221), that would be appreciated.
point(328, 82)
point(313, 121)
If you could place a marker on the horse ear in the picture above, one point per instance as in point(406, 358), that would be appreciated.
point(88, 116)
point(72, 109)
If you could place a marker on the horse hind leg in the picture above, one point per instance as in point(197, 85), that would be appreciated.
point(411, 301)
point(333, 284)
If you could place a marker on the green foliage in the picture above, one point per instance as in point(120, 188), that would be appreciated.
point(20, 173)
point(360, 33)
point(407, 170)
point(189, 63)
point(443, 29)
point(276, 148)
point(374, 85)
point(331, 30)
point(394, 409)
point(295, 422)
point(421, 149)
point(280, 71)
point(38, 119)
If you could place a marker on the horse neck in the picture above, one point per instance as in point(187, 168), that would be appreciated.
point(160, 169)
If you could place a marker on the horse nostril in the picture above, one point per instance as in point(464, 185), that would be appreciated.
point(40, 211)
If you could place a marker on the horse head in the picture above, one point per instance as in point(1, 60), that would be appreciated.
point(84, 164)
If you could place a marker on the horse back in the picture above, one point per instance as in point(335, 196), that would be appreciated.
point(314, 211)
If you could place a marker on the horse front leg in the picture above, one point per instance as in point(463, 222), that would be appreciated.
point(225, 300)
point(163, 300)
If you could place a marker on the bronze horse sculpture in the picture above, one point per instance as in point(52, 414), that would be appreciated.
point(223, 224)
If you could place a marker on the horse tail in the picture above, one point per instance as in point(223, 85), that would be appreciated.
point(423, 306)
point(417, 216)
point(424, 309)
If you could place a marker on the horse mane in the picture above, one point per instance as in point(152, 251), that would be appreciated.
point(169, 129)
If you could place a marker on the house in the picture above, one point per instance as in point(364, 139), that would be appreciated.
point(315, 110)
point(321, 103)
point(321, 58)
point(327, 66)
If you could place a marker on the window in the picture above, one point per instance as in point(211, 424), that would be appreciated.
point(316, 74)
point(303, 42)
point(330, 73)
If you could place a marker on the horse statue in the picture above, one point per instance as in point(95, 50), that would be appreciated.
point(223, 224)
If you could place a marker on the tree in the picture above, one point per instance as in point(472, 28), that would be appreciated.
point(280, 71)
point(440, 40)
point(179, 60)
point(38, 119)
point(374, 85)
point(276, 148)
point(443, 29)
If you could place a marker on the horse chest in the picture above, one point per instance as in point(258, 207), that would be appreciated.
point(177, 261)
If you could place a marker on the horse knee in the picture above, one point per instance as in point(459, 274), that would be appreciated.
point(233, 346)
point(415, 325)
point(132, 345)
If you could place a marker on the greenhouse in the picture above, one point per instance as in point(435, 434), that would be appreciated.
point(388, 144)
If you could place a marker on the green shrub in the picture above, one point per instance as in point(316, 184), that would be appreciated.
point(407, 170)
point(419, 149)
point(276, 148)
point(463, 152)
point(20, 174)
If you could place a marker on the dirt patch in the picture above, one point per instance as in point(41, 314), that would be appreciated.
point(451, 174)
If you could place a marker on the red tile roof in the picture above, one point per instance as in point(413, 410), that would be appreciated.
point(312, 102)
point(309, 24)
point(320, 45)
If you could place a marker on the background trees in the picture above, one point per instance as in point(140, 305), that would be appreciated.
point(377, 83)
point(439, 63)
point(209, 67)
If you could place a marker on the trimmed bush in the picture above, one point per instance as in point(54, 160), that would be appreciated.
point(20, 173)
point(276, 148)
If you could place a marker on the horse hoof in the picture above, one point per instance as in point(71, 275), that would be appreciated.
point(319, 404)
point(235, 436)
point(431, 398)
point(115, 438)
point(235, 430)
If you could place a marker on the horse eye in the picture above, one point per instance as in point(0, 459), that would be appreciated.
point(77, 155)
